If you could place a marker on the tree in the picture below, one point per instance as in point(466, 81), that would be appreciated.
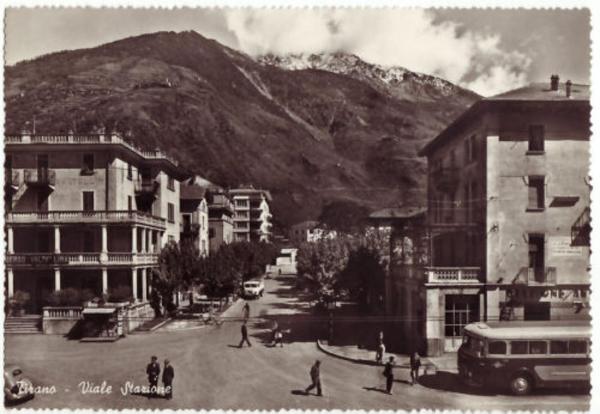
point(344, 216)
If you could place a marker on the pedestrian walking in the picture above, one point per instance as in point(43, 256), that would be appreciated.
point(153, 372)
point(315, 377)
point(380, 350)
point(415, 364)
point(246, 311)
point(388, 373)
point(244, 335)
point(278, 338)
point(167, 379)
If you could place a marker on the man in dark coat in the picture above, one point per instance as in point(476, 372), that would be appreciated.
point(153, 372)
point(315, 377)
point(388, 373)
point(244, 335)
point(168, 375)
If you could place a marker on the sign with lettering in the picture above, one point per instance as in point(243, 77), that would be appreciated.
point(561, 246)
point(550, 294)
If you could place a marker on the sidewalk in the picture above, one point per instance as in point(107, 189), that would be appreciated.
point(446, 362)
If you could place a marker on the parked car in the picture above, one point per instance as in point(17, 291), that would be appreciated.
point(16, 387)
point(253, 288)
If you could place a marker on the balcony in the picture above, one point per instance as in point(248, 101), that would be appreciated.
point(80, 259)
point(92, 217)
point(449, 275)
point(146, 186)
point(40, 177)
point(446, 179)
point(536, 276)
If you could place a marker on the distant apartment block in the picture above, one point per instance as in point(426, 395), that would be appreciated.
point(86, 211)
point(220, 219)
point(509, 213)
point(194, 217)
point(252, 217)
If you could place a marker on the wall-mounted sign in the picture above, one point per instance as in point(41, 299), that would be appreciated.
point(561, 246)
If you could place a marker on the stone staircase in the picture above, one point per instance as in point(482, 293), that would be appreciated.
point(28, 324)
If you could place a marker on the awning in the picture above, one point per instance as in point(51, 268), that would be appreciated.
point(98, 311)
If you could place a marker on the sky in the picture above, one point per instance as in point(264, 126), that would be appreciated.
point(486, 50)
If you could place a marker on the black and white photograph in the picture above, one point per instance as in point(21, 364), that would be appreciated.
point(298, 208)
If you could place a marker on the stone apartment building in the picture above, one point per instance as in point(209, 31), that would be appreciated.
point(194, 216)
point(252, 217)
point(220, 219)
point(86, 211)
point(508, 216)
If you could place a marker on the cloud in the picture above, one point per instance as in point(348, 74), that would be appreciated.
point(388, 37)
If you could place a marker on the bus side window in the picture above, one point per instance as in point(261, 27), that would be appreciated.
point(497, 348)
point(577, 347)
point(519, 347)
point(538, 347)
point(559, 347)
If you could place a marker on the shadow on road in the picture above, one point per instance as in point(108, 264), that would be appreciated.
point(299, 392)
point(375, 389)
point(451, 382)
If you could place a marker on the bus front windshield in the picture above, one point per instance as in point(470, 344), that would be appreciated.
point(472, 345)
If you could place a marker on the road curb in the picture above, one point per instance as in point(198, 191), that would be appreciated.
point(361, 361)
point(425, 363)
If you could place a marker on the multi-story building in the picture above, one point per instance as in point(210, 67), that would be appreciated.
point(309, 231)
point(194, 216)
point(252, 218)
point(220, 219)
point(509, 212)
point(86, 211)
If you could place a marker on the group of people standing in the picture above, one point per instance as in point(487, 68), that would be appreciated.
point(388, 372)
point(168, 374)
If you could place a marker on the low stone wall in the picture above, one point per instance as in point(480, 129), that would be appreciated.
point(136, 314)
point(59, 320)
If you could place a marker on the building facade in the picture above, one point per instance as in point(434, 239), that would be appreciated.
point(508, 214)
point(194, 217)
point(220, 219)
point(252, 216)
point(86, 211)
point(309, 232)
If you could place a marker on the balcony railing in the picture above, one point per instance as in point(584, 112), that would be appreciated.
point(40, 177)
point(80, 259)
point(537, 276)
point(86, 139)
point(452, 274)
point(78, 216)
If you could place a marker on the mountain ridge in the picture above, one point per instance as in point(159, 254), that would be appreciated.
point(310, 136)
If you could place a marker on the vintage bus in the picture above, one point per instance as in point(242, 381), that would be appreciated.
point(522, 356)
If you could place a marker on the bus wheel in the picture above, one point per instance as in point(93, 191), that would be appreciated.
point(521, 384)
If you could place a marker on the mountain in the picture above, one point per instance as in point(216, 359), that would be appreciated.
point(311, 129)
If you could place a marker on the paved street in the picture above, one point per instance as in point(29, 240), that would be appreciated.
point(211, 372)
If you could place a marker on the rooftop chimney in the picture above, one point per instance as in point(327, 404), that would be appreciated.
point(568, 88)
point(554, 82)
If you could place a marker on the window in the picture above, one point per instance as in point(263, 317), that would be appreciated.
point(129, 171)
point(536, 257)
point(536, 138)
point(538, 347)
point(536, 193)
point(497, 348)
point(559, 347)
point(88, 164)
point(211, 233)
point(241, 203)
point(129, 203)
point(171, 238)
point(460, 311)
point(577, 347)
point(519, 347)
point(88, 201)
point(171, 183)
point(171, 212)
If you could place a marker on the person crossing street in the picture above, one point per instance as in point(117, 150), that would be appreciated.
point(244, 335)
point(315, 376)
point(388, 373)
